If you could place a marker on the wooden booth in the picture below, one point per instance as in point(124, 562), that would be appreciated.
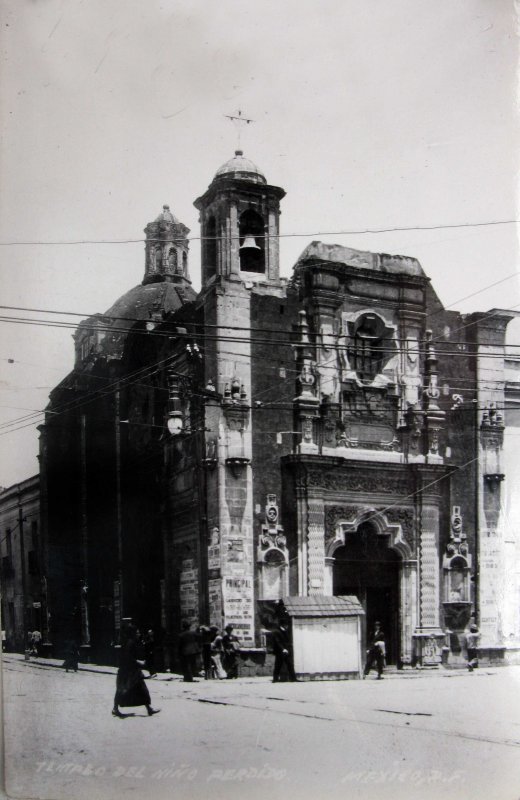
point(326, 636)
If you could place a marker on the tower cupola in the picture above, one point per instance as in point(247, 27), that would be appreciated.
point(167, 245)
point(239, 217)
point(240, 168)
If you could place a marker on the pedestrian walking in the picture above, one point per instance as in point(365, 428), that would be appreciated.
point(71, 656)
point(376, 653)
point(131, 689)
point(189, 650)
point(217, 651)
point(149, 653)
point(231, 645)
point(283, 652)
point(472, 640)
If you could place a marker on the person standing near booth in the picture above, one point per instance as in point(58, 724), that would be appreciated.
point(376, 653)
point(231, 646)
point(283, 654)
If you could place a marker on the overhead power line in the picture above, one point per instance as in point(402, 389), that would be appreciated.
point(290, 342)
point(353, 232)
point(89, 315)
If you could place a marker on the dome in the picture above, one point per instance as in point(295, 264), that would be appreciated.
point(166, 216)
point(240, 168)
point(142, 301)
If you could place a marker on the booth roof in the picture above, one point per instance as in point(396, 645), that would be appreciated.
point(318, 605)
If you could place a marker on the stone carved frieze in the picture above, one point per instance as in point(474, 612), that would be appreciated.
point(369, 419)
point(357, 482)
point(369, 405)
point(392, 445)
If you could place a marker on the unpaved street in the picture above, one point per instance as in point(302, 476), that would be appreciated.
point(412, 735)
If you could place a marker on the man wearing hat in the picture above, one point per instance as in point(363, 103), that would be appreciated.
point(282, 649)
point(376, 653)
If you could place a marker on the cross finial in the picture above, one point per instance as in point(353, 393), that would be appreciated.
point(237, 119)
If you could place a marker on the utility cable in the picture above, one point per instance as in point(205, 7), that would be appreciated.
point(359, 232)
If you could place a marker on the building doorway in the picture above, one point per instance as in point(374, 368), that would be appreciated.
point(365, 566)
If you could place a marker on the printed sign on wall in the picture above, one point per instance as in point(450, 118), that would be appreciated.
point(189, 590)
point(237, 595)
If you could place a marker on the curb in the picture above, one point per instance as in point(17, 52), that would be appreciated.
point(92, 668)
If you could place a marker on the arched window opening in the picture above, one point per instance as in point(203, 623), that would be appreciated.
point(158, 259)
point(211, 247)
point(185, 264)
point(252, 244)
point(172, 261)
point(366, 350)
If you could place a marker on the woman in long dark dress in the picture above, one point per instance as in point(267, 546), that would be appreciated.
point(131, 689)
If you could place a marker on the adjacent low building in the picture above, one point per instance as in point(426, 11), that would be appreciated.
point(23, 582)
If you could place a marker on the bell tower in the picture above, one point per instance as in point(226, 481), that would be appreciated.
point(240, 224)
point(239, 216)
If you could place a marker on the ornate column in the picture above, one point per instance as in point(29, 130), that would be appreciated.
point(315, 545)
point(306, 404)
point(301, 521)
point(408, 608)
point(428, 635)
point(434, 416)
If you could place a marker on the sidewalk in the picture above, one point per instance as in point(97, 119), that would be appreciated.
point(390, 673)
point(100, 669)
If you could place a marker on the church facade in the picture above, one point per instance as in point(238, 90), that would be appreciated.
point(337, 433)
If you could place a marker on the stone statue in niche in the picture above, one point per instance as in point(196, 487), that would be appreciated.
point(328, 363)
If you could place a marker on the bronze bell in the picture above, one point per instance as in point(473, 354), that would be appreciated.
point(249, 244)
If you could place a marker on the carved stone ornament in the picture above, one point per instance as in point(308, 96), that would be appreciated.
point(306, 377)
point(402, 518)
point(415, 421)
point(237, 417)
point(273, 538)
point(405, 518)
point(356, 482)
point(307, 424)
point(333, 515)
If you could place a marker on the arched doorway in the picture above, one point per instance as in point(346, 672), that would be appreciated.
point(365, 566)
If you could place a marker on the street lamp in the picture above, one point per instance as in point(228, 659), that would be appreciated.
point(174, 422)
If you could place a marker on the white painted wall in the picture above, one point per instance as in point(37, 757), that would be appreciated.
point(326, 644)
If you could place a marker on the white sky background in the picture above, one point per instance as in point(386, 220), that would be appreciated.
point(370, 114)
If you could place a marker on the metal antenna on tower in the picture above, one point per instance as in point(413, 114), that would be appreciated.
point(237, 119)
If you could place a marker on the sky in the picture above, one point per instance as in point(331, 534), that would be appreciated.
point(371, 114)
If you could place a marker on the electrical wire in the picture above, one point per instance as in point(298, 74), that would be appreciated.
point(151, 370)
point(237, 327)
point(360, 232)
point(269, 341)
